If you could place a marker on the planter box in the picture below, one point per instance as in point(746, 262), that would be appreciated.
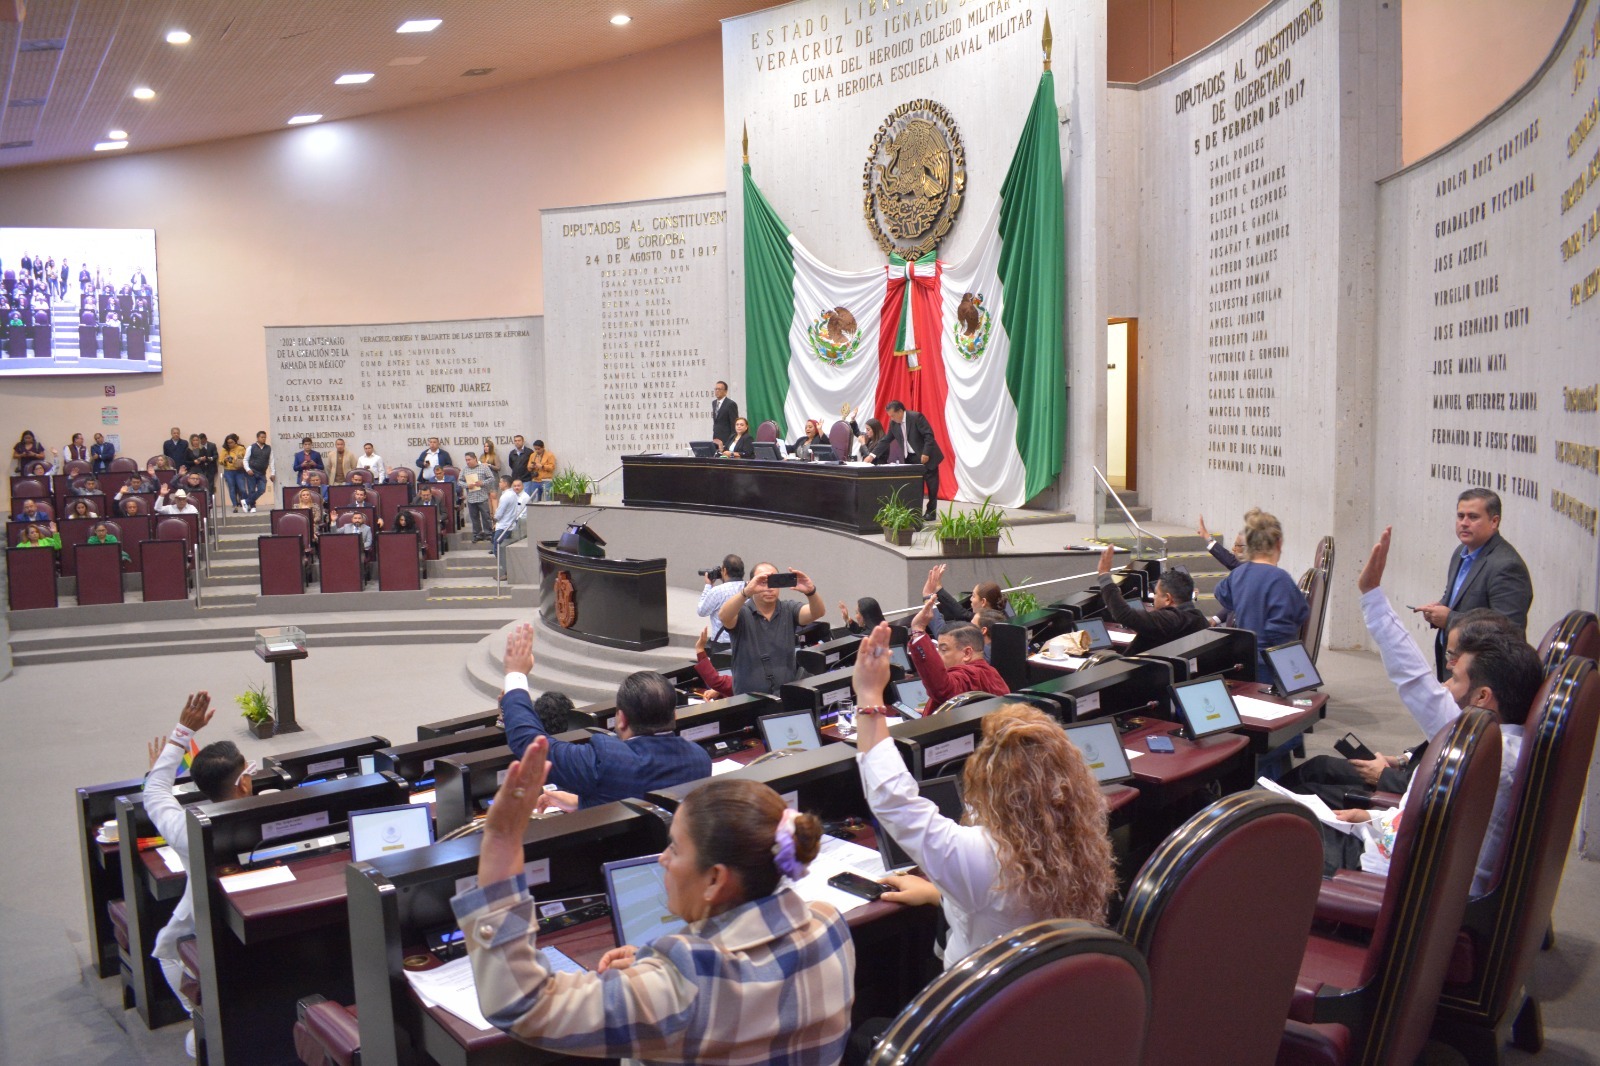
point(985, 546)
point(263, 729)
point(900, 537)
point(581, 500)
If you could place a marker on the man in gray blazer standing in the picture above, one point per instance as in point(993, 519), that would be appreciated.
point(1486, 572)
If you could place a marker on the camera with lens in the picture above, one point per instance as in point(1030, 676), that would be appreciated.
point(712, 572)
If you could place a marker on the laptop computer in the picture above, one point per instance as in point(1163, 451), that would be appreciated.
point(1206, 706)
point(703, 449)
point(766, 449)
point(1101, 746)
point(385, 830)
point(636, 889)
point(790, 731)
point(911, 697)
point(1099, 637)
point(945, 792)
point(1294, 668)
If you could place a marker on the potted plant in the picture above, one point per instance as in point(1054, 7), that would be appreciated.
point(256, 708)
point(570, 486)
point(899, 521)
point(971, 532)
point(1022, 602)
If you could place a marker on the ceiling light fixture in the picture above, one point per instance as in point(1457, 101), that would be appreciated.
point(178, 37)
point(110, 146)
point(302, 120)
point(118, 135)
point(419, 26)
point(352, 79)
point(144, 92)
point(621, 20)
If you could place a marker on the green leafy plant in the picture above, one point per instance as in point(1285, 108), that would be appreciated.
point(255, 705)
point(1022, 602)
point(570, 482)
point(894, 514)
point(985, 522)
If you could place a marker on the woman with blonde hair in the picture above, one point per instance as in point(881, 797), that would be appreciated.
point(1258, 594)
point(1033, 844)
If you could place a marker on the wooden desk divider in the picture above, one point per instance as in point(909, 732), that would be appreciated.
point(465, 782)
point(415, 761)
point(325, 760)
point(261, 950)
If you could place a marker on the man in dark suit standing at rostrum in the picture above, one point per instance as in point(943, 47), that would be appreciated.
point(723, 414)
point(1486, 572)
point(916, 434)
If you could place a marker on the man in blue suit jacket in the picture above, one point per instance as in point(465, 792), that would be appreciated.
point(101, 454)
point(644, 755)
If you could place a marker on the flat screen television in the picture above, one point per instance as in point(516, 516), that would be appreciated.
point(78, 301)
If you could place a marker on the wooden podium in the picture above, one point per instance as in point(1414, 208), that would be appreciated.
point(621, 603)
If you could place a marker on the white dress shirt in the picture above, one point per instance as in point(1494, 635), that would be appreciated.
point(373, 463)
point(960, 859)
point(1434, 709)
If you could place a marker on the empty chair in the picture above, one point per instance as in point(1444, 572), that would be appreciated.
point(1061, 984)
point(1315, 585)
point(173, 527)
point(1576, 634)
point(1374, 1003)
point(1231, 892)
point(21, 487)
point(327, 1033)
point(839, 437)
point(767, 431)
point(1323, 560)
point(122, 465)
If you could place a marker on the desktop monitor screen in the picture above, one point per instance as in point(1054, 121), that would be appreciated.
point(793, 731)
point(1099, 639)
point(765, 449)
point(898, 656)
point(945, 792)
point(823, 453)
point(382, 830)
point(1206, 706)
point(911, 697)
point(637, 892)
point(703, 449)
point(1296, 672)
point(1102, 749)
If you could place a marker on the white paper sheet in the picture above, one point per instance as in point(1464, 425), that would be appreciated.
point(170, 856)
point(1263, 711)
point(1130, 753)
point(272, 875)
point(838, 856)
point(1066, 662)
point(451, 986)
point(724, 766)
point(1120, 636)
point(1314, 804)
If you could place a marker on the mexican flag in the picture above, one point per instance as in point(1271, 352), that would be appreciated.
point(976, 345)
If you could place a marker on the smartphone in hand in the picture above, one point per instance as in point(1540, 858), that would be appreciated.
point(1350, 747)
point(857, 885)
point(782, 581)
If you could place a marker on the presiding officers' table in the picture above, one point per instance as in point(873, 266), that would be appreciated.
point(837, 496)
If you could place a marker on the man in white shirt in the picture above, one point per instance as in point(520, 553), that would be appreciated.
point(221, 773)
point(174, 502)
point(1493, 670)
point(715, 594)
point(371, 460)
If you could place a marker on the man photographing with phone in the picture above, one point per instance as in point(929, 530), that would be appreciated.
point(763, 627)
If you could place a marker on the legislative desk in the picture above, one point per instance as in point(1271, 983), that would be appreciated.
point(830, 495)
point(1269, 735)
point(620, 603)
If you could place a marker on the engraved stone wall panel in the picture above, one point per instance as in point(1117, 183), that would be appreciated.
point(1490, 309)
point(397, 384)
point(636, 303)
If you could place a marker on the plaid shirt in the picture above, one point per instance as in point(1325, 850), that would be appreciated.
point(770, 981)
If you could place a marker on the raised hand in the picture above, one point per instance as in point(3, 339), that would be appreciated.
point(935, 581)
point(803, 584)
point(700, 641)
point(1372, 573)
point(921, 620)
point(871, 675)
point(1201, 528)
point(1105, 560)
point(153, 749)
point(500, 857)
point(197, 712)
point(519, 650)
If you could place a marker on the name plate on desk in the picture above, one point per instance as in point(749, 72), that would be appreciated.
point(537, 872)
point(701, 732)
point(950, 749)
point(1088, 703)
point(289, 826)
point(272, 875)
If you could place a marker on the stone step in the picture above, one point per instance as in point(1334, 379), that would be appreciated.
point(589, 673)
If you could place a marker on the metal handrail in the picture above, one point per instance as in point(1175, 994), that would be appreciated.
point(1014, 588)
point(1127, 514)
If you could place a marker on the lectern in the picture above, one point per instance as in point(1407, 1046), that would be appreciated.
point(579, 539)
point(281, 647)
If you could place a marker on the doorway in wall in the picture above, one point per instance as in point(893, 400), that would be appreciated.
point(1122, 403)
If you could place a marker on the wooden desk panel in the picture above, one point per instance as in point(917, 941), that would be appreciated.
point(829, 495)
point(315, 898)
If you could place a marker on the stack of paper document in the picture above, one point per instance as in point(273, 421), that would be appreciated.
point(838, 856)
point(1314, 804)
point(724, 766)
point(1263, 711)
point(451, 987)
point(270, 875)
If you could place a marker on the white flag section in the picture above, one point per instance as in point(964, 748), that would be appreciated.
point(979, 412)
point(833, 340)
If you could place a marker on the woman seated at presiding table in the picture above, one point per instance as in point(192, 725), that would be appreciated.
point(741, 446)
point(874, 442)
point(759, 975)
point(813, 435)
point(1034, 844)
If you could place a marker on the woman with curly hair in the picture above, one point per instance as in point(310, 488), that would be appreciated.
point(1033, 844)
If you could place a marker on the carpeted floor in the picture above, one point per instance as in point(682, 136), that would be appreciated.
point(62, 730)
